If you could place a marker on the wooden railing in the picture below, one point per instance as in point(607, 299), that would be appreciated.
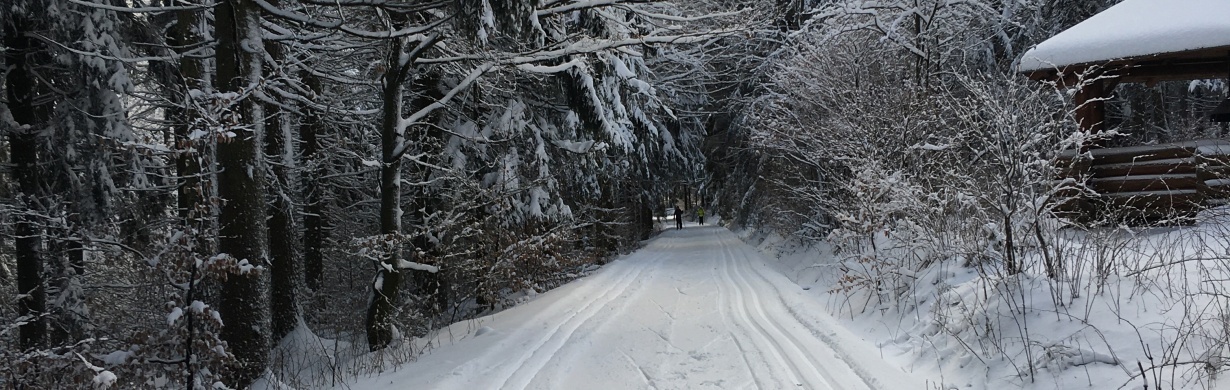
point(1144, 185)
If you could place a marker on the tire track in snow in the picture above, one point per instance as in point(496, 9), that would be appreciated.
point(806, 372)
point(537, 357)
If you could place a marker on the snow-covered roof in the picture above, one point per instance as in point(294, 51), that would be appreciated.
point(1135, 29)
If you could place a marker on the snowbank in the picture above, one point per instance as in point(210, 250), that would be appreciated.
point(1137, 306)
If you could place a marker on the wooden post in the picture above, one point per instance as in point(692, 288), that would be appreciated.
point(1091, 110)
point(1091, 117)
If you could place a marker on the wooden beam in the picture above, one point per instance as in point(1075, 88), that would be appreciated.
point(1091, 108)
point(1153, 73)
point(1180, 61)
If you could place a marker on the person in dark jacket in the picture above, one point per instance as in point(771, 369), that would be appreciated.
point(678, 218)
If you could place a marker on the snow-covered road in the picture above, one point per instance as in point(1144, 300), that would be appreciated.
point(695, 309)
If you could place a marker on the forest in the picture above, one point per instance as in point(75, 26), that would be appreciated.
point(184, 184)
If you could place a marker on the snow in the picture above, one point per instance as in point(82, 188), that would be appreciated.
point(483, 330)
point(1213, 148)
point(1149, 193)
point(1135, 28)
point(552, 68)
point(930, 147)
point(1217, 182)
point(580, 147)
point(488, 21)
point(1171, 176)
point(698, 308)
point(538, 196)
point(116, 358)
point(174, 316)
point(1156, 302)
point(308, 358)
point(148, 146)
point(1063, 356)
point(621, 68)
point(1203, 147)
point(694, 309)
point(104, 379)
point(404, 264)
point(1169, 161)
point(245, 267)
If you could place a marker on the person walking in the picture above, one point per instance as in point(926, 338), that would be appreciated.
point(678, 218)
point(700, 215)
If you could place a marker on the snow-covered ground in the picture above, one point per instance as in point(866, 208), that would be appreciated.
point(696, 308)
point(1156, 321)
point(700, 308)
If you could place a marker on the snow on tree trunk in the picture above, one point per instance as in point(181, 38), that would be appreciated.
point(244, 303)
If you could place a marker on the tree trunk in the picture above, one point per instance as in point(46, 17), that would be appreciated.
point(310, 131)
point(190, 192)
point(23, 89)
point(284, 271)
point(241, 185)
point(687, 198)
point(392, 138)
point(388, 276)
point(284, 262)
point(195, 215)
point(429, 142)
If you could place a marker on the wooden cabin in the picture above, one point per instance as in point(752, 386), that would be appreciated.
point(1140, 41)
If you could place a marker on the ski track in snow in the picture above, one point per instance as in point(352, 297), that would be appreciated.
point(695, 309)
point(518, 373)
point(769, 331)
point(541, 356)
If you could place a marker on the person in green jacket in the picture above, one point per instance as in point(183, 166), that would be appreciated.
point(700, 215)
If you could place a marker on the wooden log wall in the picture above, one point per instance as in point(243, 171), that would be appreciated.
point(1144, 185)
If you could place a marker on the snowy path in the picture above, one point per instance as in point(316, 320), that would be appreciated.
point(695, 309)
